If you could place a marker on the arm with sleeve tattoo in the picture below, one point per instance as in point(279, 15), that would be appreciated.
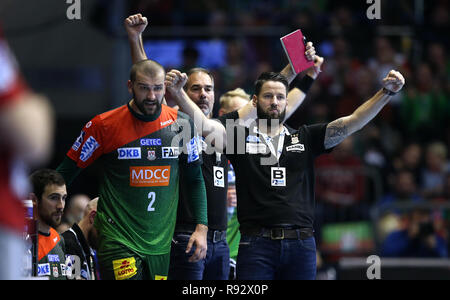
point(341, 128)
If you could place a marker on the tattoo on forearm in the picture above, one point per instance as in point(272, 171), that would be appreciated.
point(335, 133)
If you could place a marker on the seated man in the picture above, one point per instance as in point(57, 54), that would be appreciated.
point(80, 240)
point(49, 197)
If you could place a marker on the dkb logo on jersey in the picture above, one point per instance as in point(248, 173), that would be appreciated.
point(149, 176)
point(129, 153)
point(43, 269)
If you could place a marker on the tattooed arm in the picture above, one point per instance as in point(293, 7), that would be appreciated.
point(341, 128)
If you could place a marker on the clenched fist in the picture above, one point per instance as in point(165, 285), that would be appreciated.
point(394, 81)
point(175, 80)
point(135, 25)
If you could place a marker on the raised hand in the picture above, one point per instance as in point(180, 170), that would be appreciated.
point(394, 81)
point(317, 68)
point(310, 51)
point(310, 54)
point(135, 25)
point(175, 80)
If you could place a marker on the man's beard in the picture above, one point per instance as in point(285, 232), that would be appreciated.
point(51, 221)
point(262, 115)
point(93, 238)
point(141, 106)
point(207, 111)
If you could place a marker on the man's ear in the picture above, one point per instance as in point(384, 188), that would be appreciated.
point(33, 198)
point(254, 100)
point(92, 215)
point(130, 86)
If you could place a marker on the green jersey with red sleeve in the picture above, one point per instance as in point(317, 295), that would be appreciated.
point(140, 158)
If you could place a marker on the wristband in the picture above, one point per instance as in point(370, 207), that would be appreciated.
point(388, 92)
point(303, 84)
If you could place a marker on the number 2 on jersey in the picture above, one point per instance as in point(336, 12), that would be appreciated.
point(152, 198)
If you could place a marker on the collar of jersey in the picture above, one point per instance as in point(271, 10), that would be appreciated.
point(145, 118)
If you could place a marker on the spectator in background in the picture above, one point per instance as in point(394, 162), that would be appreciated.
point(404, 189)
point(358, 85)
point(81, 240)
point(233, 100)
point(424, 108)
point(340, 184)
point(49, 197)
point(410, 160)
point(234, 73)
point(433, 175)
point(438, 22)
point(419, 238)
point(385, 59)
point(338, 66)
point(73, 212)
point(438, 62)
point(26, 128)
point(445, 194)
point(190, 57)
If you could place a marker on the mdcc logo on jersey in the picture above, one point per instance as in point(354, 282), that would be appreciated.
point(149, 176)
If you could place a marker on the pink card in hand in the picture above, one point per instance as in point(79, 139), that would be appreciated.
point(295, 50)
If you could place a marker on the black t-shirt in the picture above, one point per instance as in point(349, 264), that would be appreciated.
point(215, 170)
point(278, 193)
point(76, 244)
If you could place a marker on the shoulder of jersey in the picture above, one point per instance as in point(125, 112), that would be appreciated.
point(112, 116)
point(182, 115)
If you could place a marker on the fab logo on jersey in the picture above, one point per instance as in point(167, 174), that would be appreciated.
point(149, 176)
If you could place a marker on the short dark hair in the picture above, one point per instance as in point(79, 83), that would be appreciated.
point(199, 70)
point(43, 177)
point(270, 76)
point(147, 66)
